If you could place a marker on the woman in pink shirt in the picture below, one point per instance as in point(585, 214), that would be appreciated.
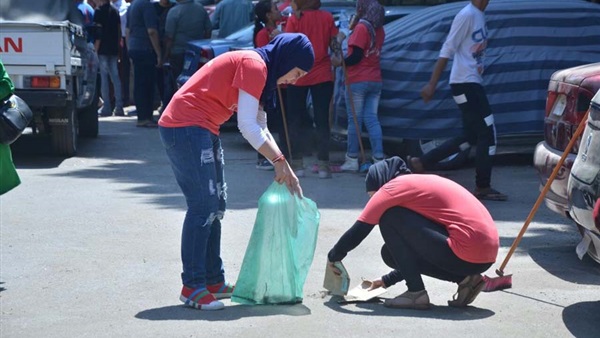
point(431, 226)
point(241, 82)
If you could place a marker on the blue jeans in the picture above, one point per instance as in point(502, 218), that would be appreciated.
point(365, 96)
point(108, 67)
point(196, 158)
point(144, 82)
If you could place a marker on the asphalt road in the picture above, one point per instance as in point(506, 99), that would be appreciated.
point(90, 248)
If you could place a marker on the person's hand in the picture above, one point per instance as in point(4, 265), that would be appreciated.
point(336, 61)
point(376, 284)
point(285, 174)
point(427, 92)
point(159, 62)
point(335, 270)
point(341, 37)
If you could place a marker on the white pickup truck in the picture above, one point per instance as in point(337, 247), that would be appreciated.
point(53, 69)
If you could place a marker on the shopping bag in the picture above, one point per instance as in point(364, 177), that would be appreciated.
point(280, 251)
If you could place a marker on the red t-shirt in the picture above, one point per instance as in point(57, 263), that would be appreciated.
point(210, 96)
point(263, 37)
point(369, 68)
point(473, 237)
point(319, 27)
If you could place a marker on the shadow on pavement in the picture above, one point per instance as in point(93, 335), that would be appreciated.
point(437, 312)
point(233, 312)
point(562, 262)
point(583, 319)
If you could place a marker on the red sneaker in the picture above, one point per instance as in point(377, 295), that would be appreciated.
point(221, 290)
point(200, 299)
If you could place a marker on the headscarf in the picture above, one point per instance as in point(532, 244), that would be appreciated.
point(285, 52)
point(384, 171)
point(371, 11)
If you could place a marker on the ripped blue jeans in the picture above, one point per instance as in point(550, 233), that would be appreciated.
point(196, 158)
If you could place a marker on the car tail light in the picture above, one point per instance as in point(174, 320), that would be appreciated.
point(47, 82)
point(205, 56)
point(565, 107)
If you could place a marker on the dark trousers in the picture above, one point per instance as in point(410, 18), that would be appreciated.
point(124, 71)
point(415, 246)
point(478, 130)
point(144, 82)
point(275, 124)
point(296, 102)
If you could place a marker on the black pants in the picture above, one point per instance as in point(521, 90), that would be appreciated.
point(478, 130)
point(124, 72)
point(415, 246)
point(296, 102)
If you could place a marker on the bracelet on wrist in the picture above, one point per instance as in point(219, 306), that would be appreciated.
point(278, 158)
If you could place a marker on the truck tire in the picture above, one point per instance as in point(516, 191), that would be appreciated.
point(64, 129)
point(452, 162)
point(88, 116)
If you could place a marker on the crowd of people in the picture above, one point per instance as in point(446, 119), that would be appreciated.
point(429, 224)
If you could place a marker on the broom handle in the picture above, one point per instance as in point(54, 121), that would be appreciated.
point(362, 149)
point(543, 193)
point(285, 128)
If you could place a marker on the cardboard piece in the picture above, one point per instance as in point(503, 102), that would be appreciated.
point(361, 292)
point(337, 285)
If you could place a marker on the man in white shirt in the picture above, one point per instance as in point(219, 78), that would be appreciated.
point(465, 44)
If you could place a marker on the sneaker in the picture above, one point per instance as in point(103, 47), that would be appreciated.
point(119, 112)
point(324, 171)
point(264, 165)
point(351, 164)
point(376, 160)
point(200, 299)
point(410, 300)
point(221, 290)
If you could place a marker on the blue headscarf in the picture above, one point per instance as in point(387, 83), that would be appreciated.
point(285, 52)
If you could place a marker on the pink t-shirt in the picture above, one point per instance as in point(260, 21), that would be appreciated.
point(369, 68)
point(210, 96)
point(473, 236)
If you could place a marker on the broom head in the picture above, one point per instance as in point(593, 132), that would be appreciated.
point(497, 283)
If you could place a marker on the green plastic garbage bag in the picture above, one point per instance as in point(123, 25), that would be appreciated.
point(280, 251)
point(8, 175)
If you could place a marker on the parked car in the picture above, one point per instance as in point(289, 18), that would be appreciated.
point(570, 92)
point(199, 52)
point(584, 184)
point(528, 41)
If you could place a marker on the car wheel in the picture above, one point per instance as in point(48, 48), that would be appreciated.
point(64, 129)
point(422, 146)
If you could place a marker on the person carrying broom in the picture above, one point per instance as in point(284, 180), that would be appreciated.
point(431, 226)
point(362, 71)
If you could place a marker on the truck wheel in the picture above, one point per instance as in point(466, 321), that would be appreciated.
point(64, 129)
point(88, 116)
point(454, 161)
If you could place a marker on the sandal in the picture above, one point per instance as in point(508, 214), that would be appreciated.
point(410, 300)
point(489, 194)
point(467, 291)
point(415, 165)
